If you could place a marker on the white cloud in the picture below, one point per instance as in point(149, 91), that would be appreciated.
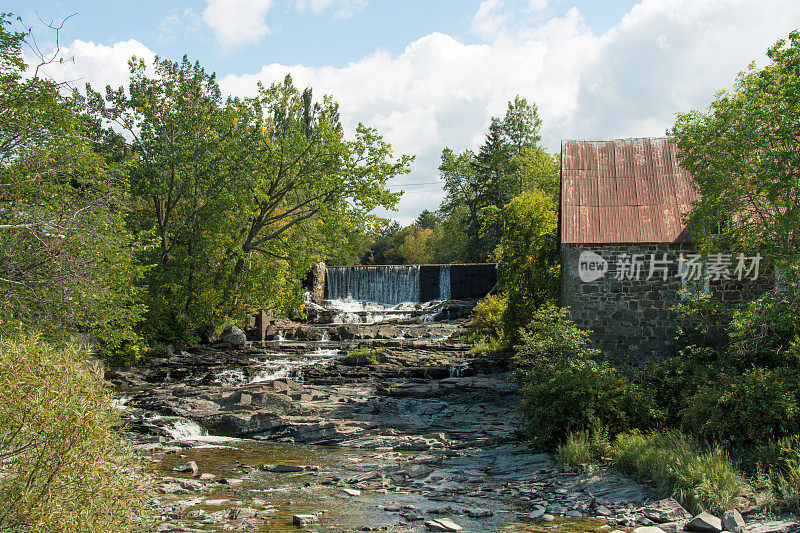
point(663, 57)
point(236, 22)
point(176, 23)
point(489, 19)
point(97, 64)
point(342, 9)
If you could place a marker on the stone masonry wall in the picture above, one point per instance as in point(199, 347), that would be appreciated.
point(630, 319)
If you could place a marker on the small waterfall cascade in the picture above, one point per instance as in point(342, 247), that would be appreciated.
point(444, 282)
point(384, 284)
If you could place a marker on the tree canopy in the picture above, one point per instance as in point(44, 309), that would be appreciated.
point(744, 156)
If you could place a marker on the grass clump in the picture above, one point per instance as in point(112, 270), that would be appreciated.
point(699, 477)
point(364, 356)
point(63, 465)
point(583, 448)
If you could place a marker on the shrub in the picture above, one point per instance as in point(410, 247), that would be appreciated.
point(62, 464)
point(560, 399)
point(699, 477)
point(485, 327)
point(552, 338)
point(363, 356)
point(745, 408)
point(564, 389)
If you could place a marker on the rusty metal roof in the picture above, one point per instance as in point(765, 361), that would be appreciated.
point(623, 191)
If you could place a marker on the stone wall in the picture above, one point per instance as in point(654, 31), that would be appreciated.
point(630, 319)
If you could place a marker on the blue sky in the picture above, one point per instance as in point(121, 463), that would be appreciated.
point(431, 73)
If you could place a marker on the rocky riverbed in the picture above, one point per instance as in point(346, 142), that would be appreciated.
point(405, 436)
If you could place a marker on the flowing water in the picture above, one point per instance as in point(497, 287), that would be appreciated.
point(385, 284)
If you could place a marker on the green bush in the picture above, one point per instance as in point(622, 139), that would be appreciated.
point(62, 464)
point(699, 477)
point(485, 327)
point(564, 389)
point(745, 408)
point(363, 356)
point(552, 338)
point(557, 400)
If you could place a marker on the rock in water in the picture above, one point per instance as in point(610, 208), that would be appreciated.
point(648, 529)
point(233, 335)
point(705, 523)
point(732, 521)
point(303, 520)
point(442, 524)
point(479, 513)
point(352, 492)
point(188, 468)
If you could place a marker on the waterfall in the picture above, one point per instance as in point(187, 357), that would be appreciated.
point(385, 284)
point(444, 282)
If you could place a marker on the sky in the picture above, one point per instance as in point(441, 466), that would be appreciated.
point(431, 73)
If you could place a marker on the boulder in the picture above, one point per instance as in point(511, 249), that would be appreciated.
point(442, 524)
point(303, 520)
point(347, 332)
point(188, 468)
point(352, 492)
point(667, 510)
point(732, 521)
point(479, 513)
point(705, 523)
point(233, 336)
point(648, 529)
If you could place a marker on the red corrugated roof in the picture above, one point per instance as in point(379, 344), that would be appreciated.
point(627, 190)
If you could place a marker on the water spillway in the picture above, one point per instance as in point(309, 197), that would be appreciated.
point(383, 284)
point(394, 284)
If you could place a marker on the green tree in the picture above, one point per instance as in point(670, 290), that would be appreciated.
point(66, 257)
point(243, 195)
point(744, 156)
point(504, 167)
point(527, 258)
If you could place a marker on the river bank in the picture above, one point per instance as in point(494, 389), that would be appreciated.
point(400, 437)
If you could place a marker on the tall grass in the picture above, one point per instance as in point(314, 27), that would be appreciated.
point(699, 477)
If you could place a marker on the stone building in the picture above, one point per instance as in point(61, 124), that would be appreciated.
point(625, 251)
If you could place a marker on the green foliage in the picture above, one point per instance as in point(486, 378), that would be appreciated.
point(745, 408)
point(486, 319)
point(363, 355)
point(584, 448)
point(528, 263)
point(744, 155)
point(242, 196)
point(63, 465)
point(503, 167)
point(552, 338)
point(765, 331)
point(564, 389)
point(67, 259)
point(780, 460)
point(699, 477)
